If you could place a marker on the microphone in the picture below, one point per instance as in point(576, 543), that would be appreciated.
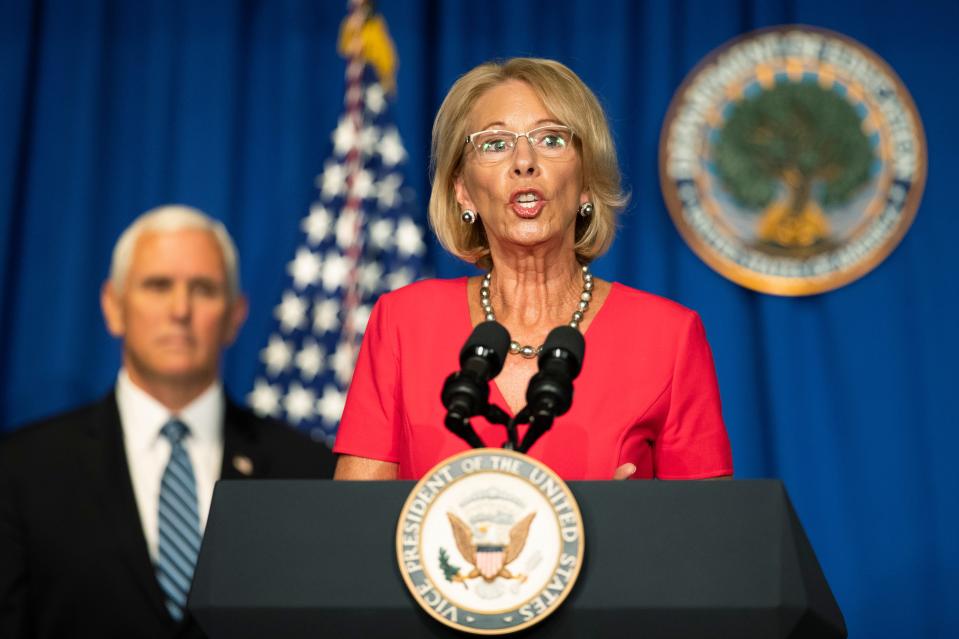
point(466, 392)
point(550, 391)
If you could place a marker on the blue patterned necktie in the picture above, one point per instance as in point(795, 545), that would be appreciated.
point(179, 522)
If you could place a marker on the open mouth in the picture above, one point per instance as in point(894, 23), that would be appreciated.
point(527, 200)
point(527, 203)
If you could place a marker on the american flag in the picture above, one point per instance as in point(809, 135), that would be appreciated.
point(358, 240)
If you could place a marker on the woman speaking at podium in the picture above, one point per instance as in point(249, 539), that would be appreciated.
point(526, 185)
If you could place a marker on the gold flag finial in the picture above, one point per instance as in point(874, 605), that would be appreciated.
point(364, 35)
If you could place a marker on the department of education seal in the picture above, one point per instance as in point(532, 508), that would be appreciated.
point(792, 160)
point(490, 541)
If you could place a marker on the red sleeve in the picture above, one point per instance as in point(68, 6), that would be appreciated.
point(371, 424)
point(693, 443)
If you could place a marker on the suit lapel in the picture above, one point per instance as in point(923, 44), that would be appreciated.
point(111, 476)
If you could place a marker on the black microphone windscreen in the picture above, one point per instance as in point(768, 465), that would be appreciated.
point(492, 336)
point(568, 339)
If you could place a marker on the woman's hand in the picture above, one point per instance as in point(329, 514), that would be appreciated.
point(624, 471)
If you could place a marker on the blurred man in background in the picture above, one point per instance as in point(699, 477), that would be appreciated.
point(102, 509)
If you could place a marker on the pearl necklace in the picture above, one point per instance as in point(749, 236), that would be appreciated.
point(529, 352)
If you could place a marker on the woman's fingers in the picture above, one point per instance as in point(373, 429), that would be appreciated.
point(624, 471)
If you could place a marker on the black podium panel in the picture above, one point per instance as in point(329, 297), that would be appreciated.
point(663, 559)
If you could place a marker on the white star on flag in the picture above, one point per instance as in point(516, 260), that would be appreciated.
point(344, 136)
point(333, 180)
point(346, 228)
point(375, 98)
point(326, 316)
point(310, 359)
point(381, 234)
point(342, 362)
point(298, 403)
point(361, 317)
point(391, 148)
point(363, 184)
point(388, 191)
point(277, 355)
point(369, 138)
point(264, 399)
point(291, 312)
point(409, 238)
point(399, 279)
point(317, 224)
point(305, 268)
point(336, 268)
point(330, 405)
point(371, 275)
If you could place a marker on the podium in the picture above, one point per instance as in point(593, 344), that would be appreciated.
point(663, 559)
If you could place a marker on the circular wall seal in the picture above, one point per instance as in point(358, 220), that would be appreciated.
point(490, 541)
point(792, 160)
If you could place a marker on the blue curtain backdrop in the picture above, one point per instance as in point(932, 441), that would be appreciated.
point(110, 108)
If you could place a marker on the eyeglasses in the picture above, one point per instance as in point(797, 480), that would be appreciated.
point(494, 145)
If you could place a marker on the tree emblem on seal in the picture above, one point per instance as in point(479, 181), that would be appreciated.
point(791, 153)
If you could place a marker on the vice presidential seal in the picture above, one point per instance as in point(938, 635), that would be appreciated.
point(490, 541)
point(792, 160)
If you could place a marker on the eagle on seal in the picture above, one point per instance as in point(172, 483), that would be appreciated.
point(489, 560)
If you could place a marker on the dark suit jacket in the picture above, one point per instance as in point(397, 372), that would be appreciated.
point(73, 559)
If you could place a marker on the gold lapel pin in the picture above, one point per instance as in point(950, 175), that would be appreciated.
point(243, 465)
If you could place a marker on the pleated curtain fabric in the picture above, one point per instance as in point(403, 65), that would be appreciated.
point(179, 522)
point(111, 108)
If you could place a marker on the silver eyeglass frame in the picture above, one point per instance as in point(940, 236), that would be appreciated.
point(516, 136)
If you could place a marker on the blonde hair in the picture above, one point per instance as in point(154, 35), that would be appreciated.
point(174, 217)
point(566, 97)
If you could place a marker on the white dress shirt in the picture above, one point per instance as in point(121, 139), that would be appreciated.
point(148, 452)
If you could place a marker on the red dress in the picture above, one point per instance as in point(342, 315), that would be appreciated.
point(647, 393)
